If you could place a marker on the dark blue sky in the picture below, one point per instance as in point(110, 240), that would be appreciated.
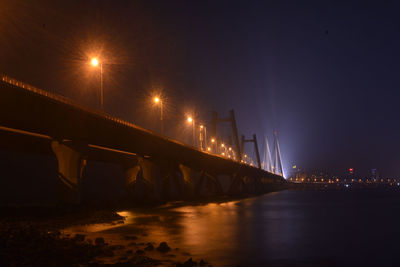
point(324, 74)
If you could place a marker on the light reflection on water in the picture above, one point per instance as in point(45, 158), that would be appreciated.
point(278, 229)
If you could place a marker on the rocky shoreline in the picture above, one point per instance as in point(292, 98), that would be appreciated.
point(36, 238)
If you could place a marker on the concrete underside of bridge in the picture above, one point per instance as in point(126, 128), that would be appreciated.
point(146, 179)
point(156, 180)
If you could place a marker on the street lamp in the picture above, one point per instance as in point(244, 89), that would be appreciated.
point(214, 145)
point(191, 120)
point(95, 62)
point(223, 149)
point(203, 137)
point(158, 100)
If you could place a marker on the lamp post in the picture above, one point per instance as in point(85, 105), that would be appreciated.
point(158, 100)
point(191, 120)
point(95, 62)
point(214, 145)
point(223, 149)
point(203, 137)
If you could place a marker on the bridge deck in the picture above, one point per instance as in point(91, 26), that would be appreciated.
point(30, 109)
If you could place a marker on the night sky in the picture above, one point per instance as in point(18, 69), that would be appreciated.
point(324, 74)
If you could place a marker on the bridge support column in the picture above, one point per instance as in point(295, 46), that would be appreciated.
point(236, 183)
point(70, 168)
point(131, 174)
point(151, 177)
point(188, 180)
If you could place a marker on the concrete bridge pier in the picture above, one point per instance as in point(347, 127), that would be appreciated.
point(131, 170)
point(71, 163)
point(238, 184)
point(172, 185)
point(212, 185)
point(151, 178)
point(248, 185)
point(189, 186)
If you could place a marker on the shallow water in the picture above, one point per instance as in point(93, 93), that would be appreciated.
point(288, 228)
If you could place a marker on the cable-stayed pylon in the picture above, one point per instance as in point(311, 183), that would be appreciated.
point(277, 167)
point(267, 162)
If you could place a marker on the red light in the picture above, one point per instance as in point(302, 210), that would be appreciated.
point(351, 170)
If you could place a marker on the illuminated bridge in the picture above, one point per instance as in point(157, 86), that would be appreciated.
point(36, 121)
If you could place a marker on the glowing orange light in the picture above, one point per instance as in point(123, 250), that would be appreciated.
point(212, 140)
point(230, 149)
point(190, 119)
point(201, 126)
point(222, 145)
point(94, 62)
point(156, 99)
point(208, 148)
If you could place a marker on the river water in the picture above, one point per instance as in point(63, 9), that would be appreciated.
point(287, 228)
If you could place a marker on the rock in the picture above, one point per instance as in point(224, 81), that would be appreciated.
point(79, 238)
point(99, 241)
point(149, 247)
point(139, 252)
point(163, 247)
point(130, 237)
point(115, 247)
point(202, 262)
point(107, 253)
point(188, 263)
point(122, 258)
point(144, 261)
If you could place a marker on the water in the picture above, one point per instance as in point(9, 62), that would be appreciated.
point(288, 228)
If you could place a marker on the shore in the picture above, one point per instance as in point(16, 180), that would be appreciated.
point(42, 237)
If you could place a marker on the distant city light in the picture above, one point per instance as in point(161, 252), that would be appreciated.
point(156, 99)
point(190, 119)
point(212, 140)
